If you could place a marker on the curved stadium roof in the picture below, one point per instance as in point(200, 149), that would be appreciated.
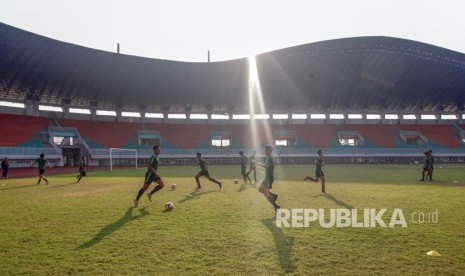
point(349, 73)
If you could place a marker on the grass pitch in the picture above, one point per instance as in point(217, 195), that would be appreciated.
point(92, 228)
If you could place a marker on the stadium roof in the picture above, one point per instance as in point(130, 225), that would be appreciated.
point(381, 73)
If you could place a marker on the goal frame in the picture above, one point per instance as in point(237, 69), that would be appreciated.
point(120, 149)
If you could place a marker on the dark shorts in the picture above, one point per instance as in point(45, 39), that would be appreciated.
point(268, 183)
point(41, 172)
point(150, 177)
point(319, 173)
point(83, 173)
point(252, 166)
point(204, 173)
point(425, 169)
point(243, 171)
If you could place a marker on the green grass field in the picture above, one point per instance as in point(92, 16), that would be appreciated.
point(92, 228)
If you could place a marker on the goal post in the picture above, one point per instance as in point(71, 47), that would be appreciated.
point(120, 156)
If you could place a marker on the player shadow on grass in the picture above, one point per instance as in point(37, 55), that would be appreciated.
point(337, 201)
point(194, 195)
point(283, 244)
point(243, 186)
point(16, 187)
point(112, 227)
point(62, 185)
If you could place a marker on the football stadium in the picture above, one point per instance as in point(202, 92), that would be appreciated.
point(343, 156)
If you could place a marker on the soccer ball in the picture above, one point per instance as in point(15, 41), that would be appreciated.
point(169, 206)
point(173, 186)
point(236, 181)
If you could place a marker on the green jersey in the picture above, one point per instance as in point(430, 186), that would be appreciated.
point(427, 162)
point(244, 161)
point(154, 161)
point(252, 158)
point(319, 164)
point(41, 163)
point(269, 162)
point(149, 175)
point(203, 165)
point(82, 166)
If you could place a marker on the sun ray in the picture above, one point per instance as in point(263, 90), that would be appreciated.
point(257, 106)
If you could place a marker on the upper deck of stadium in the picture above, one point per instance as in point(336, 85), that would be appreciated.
point(377, 73)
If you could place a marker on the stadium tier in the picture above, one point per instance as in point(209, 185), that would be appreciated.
point(104, 134)
point(437, 135)
point(382, 136)
point(183, 136)
point(183, 140)
point(316, 136)
point(21, 131)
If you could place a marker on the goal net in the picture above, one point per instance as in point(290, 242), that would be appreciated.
point(123, 158)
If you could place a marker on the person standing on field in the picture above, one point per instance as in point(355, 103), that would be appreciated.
point(431, 165)
point(426, 166)
point(5, 166)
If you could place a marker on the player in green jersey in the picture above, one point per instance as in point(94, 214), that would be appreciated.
point(244, 162)
point(318, 171)
point(267, 184)
point(41, 164)
point(151, 175)
point(431, 167)
point(426, 166)
point(252, 167)
point(82, 169)
point(203, 171)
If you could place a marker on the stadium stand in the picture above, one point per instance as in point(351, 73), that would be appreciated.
point(186, 136)
point(316, 136)
point(437, 135)
point(21, 131)
point(104, 134)
point(242, 135)
point(383, 136)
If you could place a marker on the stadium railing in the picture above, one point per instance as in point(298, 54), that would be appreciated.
point(27, 153)
point(298, 152)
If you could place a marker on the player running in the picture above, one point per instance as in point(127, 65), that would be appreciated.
point(41, 164)
point(151, 175)
point(318, 172)
point(244, 162)
point(203, 171)
point(267, 184)
point(82, 169)
point(253, 168)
